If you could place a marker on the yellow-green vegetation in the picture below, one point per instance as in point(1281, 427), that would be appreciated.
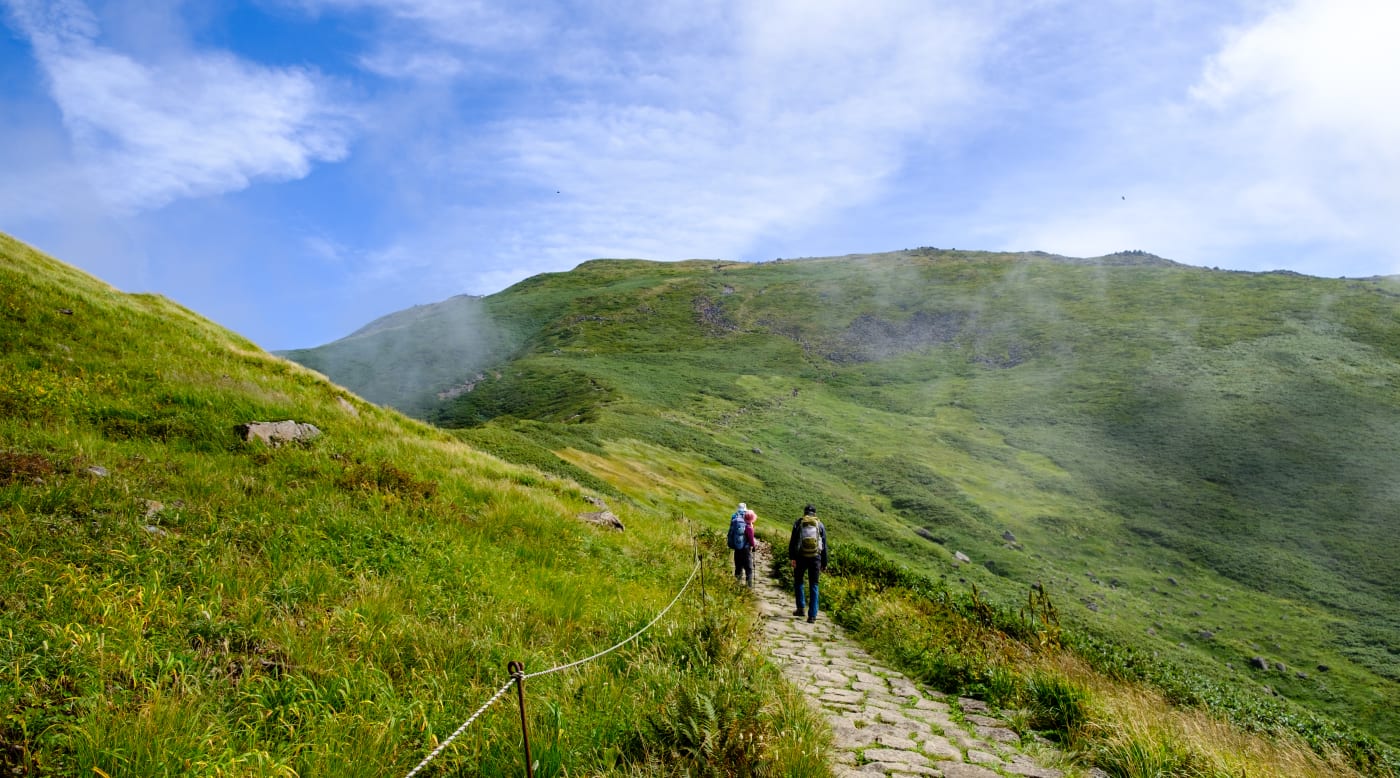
point(178, 601)
point(1197, 464)
point(1101, 709)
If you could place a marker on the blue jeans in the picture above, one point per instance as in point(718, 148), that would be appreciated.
point(812, 569)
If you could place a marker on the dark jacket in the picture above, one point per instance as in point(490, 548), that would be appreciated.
point(795, 553)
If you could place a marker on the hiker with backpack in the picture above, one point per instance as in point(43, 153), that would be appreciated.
point(741, 540)
point(807, 554)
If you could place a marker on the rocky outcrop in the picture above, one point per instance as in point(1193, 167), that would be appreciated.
point(603, 517)
point(276, 433)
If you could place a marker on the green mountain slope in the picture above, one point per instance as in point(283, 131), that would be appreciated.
point(179, 601)
point(436, 350)
point(1198, 463)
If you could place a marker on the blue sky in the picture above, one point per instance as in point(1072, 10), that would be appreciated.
point(293, 169)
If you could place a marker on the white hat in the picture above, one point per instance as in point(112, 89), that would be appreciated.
point(743, 507)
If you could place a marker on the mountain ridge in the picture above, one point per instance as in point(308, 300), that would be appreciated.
point(1170, 410)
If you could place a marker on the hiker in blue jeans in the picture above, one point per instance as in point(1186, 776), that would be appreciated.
point(807, 554)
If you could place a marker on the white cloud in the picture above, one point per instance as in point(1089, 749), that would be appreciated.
point(1322, 70)
point(194, 125)
point(697, 141)
point(1277, 150)
point(1305, 105)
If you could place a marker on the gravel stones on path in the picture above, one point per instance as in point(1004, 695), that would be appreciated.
point(881, 722)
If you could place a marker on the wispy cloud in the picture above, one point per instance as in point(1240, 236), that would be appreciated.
point(484, 23)
point(190, 125)
point(441, 40)
point(672, 139)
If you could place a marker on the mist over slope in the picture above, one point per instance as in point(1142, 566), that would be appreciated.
point(1201, 463)
point(431, 347)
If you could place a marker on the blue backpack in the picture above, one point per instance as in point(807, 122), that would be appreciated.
point(737, 525)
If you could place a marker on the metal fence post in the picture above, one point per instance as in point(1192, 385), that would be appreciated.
point(517, 671)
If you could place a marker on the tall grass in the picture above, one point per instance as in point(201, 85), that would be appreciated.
point(1137, 735)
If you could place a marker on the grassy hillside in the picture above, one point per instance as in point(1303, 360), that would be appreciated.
point(1195, 463)
point(181, 602)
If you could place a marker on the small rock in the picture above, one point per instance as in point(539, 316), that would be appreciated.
point(966, 771)
point(982, 757)
point(1007, 536)
point(1259, 663)
point(1173, 582)
point(1034, 771)
point(154, 530)
point(970, 705)
point(97, 470)
point(998, 733)
point(1323, 668)
point(961, 557)
point(895, 755)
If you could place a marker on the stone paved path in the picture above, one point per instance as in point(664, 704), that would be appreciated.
point(882, 722)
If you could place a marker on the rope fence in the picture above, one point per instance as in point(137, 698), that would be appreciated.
point(444, 744)
point(518, 676)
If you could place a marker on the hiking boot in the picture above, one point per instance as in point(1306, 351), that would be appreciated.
point(799, 612)
point(811, 619)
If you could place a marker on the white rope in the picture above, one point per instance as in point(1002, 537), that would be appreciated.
point(604, 652)
point(514, 678)
point(460, 730)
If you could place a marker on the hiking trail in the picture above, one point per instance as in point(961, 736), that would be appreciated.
point(883, 723)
